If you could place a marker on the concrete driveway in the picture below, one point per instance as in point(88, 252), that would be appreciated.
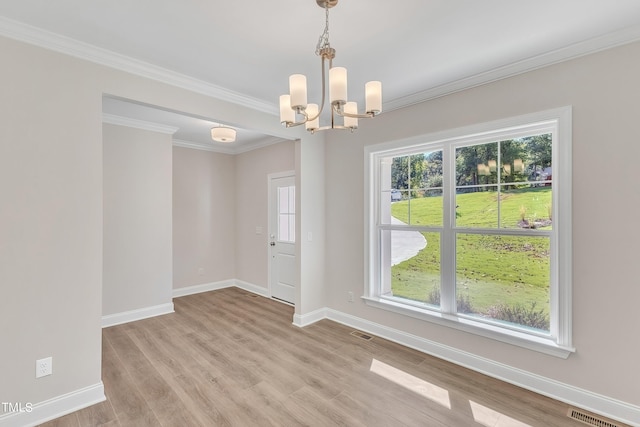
point(405, 244)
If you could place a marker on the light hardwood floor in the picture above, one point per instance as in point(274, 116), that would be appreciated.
point(229, 358)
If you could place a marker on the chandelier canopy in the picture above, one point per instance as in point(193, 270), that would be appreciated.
point(294, 109)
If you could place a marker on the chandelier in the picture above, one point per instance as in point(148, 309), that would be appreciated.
point(294, 109)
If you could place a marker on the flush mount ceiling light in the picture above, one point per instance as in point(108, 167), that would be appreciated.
point(295, 103)
point(223, 134)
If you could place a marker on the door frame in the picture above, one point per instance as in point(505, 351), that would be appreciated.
point(270, 209)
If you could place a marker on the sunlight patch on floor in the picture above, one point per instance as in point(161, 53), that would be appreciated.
point(411, 382)
point(490, 418)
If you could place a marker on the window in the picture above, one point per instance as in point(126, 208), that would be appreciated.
point(287, 214)
point(471, 229)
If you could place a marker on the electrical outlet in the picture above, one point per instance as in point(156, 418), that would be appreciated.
point(44, 367)
point(200, 271)
point(350, 296)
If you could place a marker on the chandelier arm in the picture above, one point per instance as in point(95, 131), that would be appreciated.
point(338, 106)
point(340, 127)
point(294, 124)
point(309, 119)
point(342, 113)
point(333, 120)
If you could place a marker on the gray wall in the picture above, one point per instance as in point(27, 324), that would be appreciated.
point(219, 201)
point(50, 223)
point(603, 90)
point(51, 211)
point(137, 269)
point(251, 208)
point(204, 219)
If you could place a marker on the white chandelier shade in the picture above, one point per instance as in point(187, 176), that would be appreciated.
point(298, 91)
point(294, 105)
point(338, 85)
point(313, 124)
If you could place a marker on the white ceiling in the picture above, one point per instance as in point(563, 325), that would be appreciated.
point(245, 50)
point(187, 130)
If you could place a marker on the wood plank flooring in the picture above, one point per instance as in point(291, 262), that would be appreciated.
point(229, 358)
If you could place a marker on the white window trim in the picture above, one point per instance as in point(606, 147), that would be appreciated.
point(559, 343)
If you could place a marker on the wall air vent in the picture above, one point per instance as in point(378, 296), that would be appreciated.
point(589, 419)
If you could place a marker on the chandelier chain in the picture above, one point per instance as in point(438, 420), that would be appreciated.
point(323, 40)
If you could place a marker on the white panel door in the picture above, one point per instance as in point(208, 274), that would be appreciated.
point(282, 237)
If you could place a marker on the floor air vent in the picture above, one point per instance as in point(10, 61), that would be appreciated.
point(362, 335)
point(589, 419)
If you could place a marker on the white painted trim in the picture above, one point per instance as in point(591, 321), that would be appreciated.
point(112, 119)
point(56, 42)
point(478, 130)
point(283, 174)
point(214, 286)
point(557, 121)
point(205, 287)
point(302, 320)
point(55, 407)
point(271, 219)
point(250, 287)
point(68, 46)
point(137, 314)
point(587, 47)
point(597, 403)
point(513, 337)
point(228, 149)
point(198, 146)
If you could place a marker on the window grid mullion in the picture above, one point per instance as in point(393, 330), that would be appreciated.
point(545, 122)
point(447, 238)
point(499, 189)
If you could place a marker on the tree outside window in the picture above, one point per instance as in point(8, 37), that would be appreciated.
point(475, 234)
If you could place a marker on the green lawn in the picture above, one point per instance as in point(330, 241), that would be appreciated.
point(491, 270)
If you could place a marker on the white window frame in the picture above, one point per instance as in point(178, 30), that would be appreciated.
point(559, 341)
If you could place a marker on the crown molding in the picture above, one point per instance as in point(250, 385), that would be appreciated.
point(66, 45)
point(203, 147)
point(230, 148)
point(56, 42)
point(587, 47)
point(112, 119)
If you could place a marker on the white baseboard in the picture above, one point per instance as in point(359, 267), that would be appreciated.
point(250, 287)
point(302, 320)
point(214, 286)
point(54, 408)
point(599, 404)
point(603, 405)
point(138, 314)
point(205, 287)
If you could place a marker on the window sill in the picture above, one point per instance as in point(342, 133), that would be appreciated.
point(520, 339)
